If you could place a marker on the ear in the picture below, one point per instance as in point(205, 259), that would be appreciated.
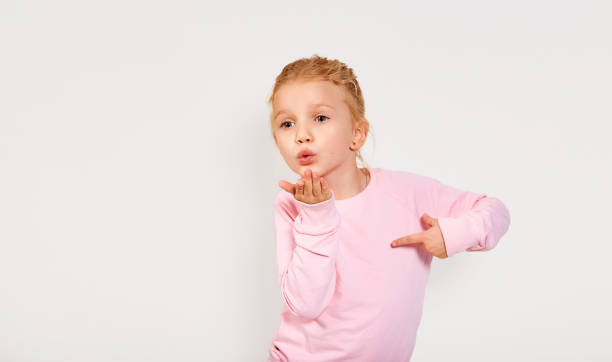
point(360, 134)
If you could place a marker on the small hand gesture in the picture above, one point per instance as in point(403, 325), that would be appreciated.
point(431, 239)
point(310, 189)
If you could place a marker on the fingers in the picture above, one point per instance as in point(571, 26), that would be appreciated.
point(423, 240)
point(428, 219)
point(308, 185)
point(407, 240)
point(289, 187)
point(311, 188)
point(324, 186)
point(316, 185)
point(299, 190)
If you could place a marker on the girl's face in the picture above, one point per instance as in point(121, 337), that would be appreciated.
point(311, 115)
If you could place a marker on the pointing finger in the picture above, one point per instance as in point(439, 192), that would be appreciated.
point(406, 240)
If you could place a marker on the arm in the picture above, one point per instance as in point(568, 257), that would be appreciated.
point(469, 221)
point(306, 249)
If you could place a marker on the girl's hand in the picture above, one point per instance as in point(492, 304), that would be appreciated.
point(310, 189)
point(431, 239)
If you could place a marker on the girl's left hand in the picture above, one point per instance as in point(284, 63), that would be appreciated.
point(431, 239)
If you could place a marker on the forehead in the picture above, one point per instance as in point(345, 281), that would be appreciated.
point(304, 93)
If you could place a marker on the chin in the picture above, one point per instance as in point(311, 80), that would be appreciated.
point(313, 167)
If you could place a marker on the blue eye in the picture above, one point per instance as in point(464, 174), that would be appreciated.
point(317, 117)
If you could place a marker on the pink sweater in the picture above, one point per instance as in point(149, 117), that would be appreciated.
point(348, 295)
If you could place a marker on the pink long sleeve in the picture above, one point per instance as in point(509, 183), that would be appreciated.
point(469, 221)
point(307, 245)
point(348, 295)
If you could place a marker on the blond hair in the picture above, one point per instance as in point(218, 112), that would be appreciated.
point(318, 68)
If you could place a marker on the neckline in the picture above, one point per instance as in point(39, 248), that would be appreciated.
point(365, 191)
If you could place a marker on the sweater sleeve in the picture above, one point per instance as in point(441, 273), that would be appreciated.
point(469, 221)
point(307, 247)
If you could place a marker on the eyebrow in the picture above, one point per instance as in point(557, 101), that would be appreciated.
point(311, 106)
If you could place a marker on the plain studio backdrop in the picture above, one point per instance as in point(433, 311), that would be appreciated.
point(138, 174)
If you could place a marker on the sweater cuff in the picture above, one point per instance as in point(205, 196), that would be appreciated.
point(459, 233)
point(315, 219)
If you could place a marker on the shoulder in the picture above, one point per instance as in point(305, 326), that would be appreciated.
point(410, 188)
point(402, 179)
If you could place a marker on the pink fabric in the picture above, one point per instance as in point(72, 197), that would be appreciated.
point(348, 295)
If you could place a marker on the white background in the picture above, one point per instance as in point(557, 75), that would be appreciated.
point(138, 174)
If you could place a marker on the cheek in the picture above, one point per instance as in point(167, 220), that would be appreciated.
point(284, 148)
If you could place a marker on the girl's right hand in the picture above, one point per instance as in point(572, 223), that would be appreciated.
point(310, 189)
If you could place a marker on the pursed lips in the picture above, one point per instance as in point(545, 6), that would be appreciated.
point(305, 153)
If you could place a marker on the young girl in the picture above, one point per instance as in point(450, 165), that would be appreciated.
point(354, 245)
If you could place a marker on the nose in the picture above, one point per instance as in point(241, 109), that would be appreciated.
point(303, 135)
